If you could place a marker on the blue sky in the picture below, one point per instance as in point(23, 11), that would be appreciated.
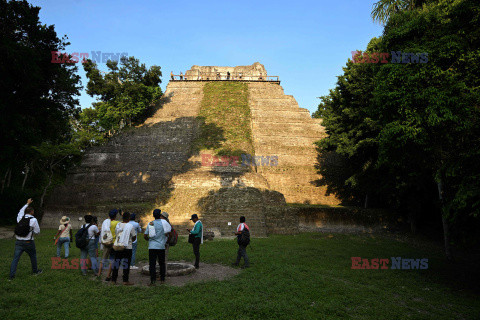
point(306, 43)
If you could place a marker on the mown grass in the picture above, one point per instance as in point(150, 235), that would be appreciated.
point(227, 118)
point(306, 276)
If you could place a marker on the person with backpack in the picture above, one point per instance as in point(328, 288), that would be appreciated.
point(122, 247)
point(107, 238)
point(138, 229)
point(172, 236)
point(196, 238)
point(243, 240)
point(64, 235)
point(85, 241)
point(156, 235)
point(27, 227)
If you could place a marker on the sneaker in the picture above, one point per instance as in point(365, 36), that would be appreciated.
point(108, 279)
point(245, 267)
point(10, 279)
point(39, 271)
point(152, 284)
point(128, 283)
point(133, 267)
point(234, 264)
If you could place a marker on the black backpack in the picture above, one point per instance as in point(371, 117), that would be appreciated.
point(81, 237)
point(22, 229)
point(244, 238)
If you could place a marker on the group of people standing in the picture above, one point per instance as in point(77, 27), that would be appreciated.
point(119, 240)
point(216, 76)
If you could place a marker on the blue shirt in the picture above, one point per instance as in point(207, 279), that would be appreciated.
point(157, 242)
point(136, 227)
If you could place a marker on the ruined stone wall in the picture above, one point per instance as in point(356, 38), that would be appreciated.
point(253, 72)
point(345, 219)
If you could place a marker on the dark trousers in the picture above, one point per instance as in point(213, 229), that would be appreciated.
point(29, 247)
point(242, 252)
point(122, 261)
point(153, 255)
point(196, 251)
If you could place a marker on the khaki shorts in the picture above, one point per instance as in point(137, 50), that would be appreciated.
point(107, 251)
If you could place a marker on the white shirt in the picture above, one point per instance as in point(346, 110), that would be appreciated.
point(127, 234)
point(166, 226)
point(241, 226)
point(34, 227)
point(92, 231)
point(105, 226)
point(136, 228)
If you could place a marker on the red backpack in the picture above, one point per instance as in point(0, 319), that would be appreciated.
point(172, 237)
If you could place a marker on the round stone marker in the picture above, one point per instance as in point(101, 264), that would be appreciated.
point(174, 269)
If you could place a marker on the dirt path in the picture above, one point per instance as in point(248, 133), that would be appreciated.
point(206, 272)
point(6, 233)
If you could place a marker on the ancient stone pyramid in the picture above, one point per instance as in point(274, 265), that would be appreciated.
point(159, 165)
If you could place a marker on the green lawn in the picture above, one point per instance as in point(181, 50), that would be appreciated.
point(307, 276)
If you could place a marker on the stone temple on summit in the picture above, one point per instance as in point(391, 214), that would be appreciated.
point(161, 163)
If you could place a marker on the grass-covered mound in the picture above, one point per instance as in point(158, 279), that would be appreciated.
point(226, 119)
point(307, 276)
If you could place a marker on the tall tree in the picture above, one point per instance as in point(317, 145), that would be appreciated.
point(420, 120)
point(125, 92)
point(37, 97)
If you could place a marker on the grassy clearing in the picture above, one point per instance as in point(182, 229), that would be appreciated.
point(227, 118)
point(307, 276)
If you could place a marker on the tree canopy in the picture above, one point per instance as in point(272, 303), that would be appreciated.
point(125, 92)
point(407, 134)
point(42, 129)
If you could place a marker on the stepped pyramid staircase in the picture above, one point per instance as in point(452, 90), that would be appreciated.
point(158, 165)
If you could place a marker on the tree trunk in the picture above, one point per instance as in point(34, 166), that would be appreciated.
point(413, 222)
point(366, 201)
point(46, 187)
point(5, 179)
point(27, 169)
point(446, 233)
point(9, 177)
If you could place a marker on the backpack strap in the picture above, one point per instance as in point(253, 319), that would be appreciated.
point(29, 218)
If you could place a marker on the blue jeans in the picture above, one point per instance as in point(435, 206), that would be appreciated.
point(90, 250)
point(134, 250)
point(29, 247)
point(66, 244)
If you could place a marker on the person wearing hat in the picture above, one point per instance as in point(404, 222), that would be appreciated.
point(166, 226)
point(63, 236)
point(197, 232)
point(138, 229)
point(156, 245)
